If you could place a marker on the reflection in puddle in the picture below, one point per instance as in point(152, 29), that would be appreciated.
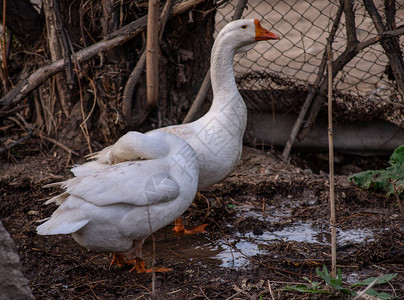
point(231, 258)
point(299, 232)
point(305, 232)
point(200, 249)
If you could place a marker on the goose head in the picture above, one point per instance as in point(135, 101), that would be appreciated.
point(244, 34)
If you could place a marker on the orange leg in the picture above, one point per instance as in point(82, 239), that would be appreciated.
point(138, 262)
point(118, 259)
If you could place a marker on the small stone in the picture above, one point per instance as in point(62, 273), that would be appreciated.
point(257, 231)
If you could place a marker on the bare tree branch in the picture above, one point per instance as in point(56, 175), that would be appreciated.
point(119, 37)
point(352, 39)
point(395, 58)
point(319, 90)
point(152, 55)
point(385, 35)
point(66, 44)
point(309, 99)
point(135, 75)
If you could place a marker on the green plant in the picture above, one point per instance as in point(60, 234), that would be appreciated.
point(376, 280)
point(391, 180)
point(335, 285)
point(313, 287)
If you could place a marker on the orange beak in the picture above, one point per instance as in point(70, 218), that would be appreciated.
point(262, 34)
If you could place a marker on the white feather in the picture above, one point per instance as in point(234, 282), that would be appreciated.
point(108, 208)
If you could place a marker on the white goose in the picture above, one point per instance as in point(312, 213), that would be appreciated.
point(217, 136)
point(114, 209)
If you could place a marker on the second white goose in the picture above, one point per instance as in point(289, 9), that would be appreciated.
point(217, 136)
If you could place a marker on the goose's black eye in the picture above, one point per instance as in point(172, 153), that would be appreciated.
point(244, 26)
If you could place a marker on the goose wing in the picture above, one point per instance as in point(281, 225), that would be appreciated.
point(132, 146)
point(136, 183)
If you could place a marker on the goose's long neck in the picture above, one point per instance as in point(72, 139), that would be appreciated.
point(222, 75)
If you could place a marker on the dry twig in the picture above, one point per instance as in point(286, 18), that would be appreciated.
point(362, 294)
point(26, 127)
point(60, 145)
point(17, 142)
point(118, 37)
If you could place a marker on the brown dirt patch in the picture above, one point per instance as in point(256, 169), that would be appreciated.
point(262, 196)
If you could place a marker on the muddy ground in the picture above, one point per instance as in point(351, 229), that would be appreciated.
point(267, 229)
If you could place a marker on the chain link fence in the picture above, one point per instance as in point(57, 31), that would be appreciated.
point(364, 85)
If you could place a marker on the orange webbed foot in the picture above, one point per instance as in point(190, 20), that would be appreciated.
point(120, 260)
point(197, 229)
point(179, 227)
point(140, 267)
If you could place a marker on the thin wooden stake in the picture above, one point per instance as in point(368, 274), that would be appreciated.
point(152, 54)
point(153, 256)
point(396, 194)
point(331, 163)
point(4, 51)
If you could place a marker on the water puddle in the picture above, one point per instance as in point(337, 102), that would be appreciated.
point(305, 232)
point(200, 249)
point(248, 244)
point(234, 252)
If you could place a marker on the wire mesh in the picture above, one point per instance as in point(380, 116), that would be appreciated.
point(304, 26)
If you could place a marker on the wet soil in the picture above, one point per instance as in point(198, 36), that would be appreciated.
point(268, 228)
